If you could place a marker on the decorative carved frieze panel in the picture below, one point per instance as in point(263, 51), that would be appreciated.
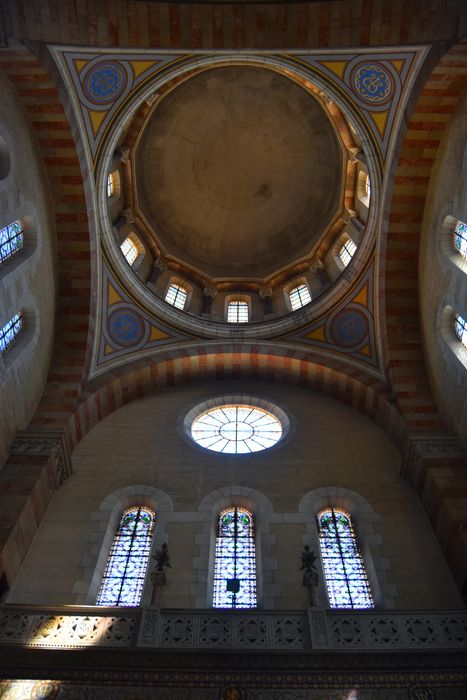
point(50, 443)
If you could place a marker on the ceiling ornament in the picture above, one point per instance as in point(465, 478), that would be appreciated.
point(126, 328)
point(106, 87)
point(374, 84)
point(350, 328)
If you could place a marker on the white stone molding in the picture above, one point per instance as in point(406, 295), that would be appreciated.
point(106, 519)
point(261, 508)
point(370, 542)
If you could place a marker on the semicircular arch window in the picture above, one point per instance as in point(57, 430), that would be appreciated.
point(236, 429)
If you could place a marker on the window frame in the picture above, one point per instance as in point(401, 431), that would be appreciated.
point(343, 246)
point(340, 543)
point(17, 319)
point(8, 258)
point(298, 285)
point(179, 286)
point(237, 300)
point(113, 554)
point(219, 560)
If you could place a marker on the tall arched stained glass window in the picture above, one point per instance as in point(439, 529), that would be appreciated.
point(460, 239)
point(346, 580)
point(11, 240)
point(460, 327)
point(125, 572)
point(10, 331)
point(235, 565)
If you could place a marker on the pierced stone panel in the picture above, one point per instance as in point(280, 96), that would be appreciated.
point(215, 632)
point(67, 630)
point(177, 631)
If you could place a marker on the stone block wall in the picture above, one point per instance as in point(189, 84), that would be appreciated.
point(142, 449)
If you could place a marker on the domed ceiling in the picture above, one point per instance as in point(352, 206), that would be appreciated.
point(238, 172)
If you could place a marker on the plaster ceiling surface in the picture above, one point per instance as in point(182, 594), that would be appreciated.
point(238, 172)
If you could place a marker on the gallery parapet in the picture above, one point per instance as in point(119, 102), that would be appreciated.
point(152, 627)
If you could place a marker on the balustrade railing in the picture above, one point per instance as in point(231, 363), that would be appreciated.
point(77, 626)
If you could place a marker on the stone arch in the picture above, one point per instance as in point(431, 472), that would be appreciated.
point(438, 99)
point(353, 386)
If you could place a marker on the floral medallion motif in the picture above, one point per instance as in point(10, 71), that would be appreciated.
point(373, 83)
point(349, 328)
point(105, 82)
point(126, 327)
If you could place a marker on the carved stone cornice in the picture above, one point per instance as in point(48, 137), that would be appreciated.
point(425, 447)
point(50, 443)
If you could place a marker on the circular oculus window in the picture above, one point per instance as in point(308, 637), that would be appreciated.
point(236, 429)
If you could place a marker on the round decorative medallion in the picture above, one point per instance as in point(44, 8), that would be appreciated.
point(349, 328)
point(373, 83)
point(105, 82)
point(126, 327)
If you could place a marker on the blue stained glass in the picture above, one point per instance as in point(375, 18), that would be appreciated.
point(460, 326)
point(460, 238)
point(125, 572)
point(10, 331)
point(235, 562)
point(346, 581)
point(11, 240)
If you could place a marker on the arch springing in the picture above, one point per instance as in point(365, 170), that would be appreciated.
point(344, 572)
point(11, 240)
point(125, 572)
point(10, 332)
point(235, 560)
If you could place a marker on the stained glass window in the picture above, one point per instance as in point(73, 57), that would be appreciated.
point(10, 332)
point(237, 312)
point(235, 565)
point(11, 240)
point(236, 429)
point(460, 326)
point(299, 296)
point(347, 251)
point(176, 295)
point(129, 250)
point(346, 580)
point(125, 572)
point(460, 238)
